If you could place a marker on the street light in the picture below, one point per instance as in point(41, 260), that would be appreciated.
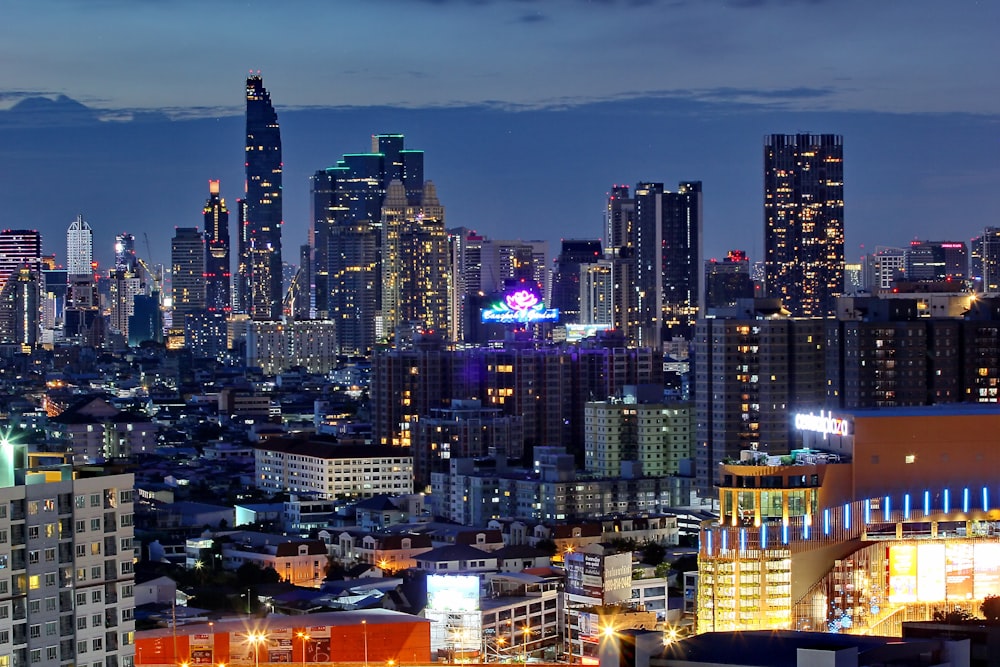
point(364, 627)
point(256, 638)
point(304, 637)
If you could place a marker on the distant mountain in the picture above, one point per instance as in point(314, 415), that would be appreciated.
point(44, 111)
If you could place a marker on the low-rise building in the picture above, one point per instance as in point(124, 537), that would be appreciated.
point(328, 469)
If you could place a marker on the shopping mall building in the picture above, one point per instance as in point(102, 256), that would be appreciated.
point(881, 517)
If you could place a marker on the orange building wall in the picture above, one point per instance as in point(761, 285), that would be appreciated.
point(951, 451)
point(403, 643)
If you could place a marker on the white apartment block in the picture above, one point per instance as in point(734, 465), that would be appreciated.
point(66, 565)
point(277, 346)
point(332, 470)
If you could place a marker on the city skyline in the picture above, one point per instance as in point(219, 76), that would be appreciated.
point(560, 122)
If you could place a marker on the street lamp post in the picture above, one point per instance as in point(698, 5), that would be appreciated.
point(304, 637)
point(256, 638)
point(364, 627)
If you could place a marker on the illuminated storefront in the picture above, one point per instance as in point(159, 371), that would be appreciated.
point(883, 517)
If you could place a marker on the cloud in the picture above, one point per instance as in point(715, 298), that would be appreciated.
point(532, 17)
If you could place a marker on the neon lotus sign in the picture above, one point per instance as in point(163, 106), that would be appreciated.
point(520, 306)
point(824, 423)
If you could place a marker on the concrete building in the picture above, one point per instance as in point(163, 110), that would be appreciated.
point(331, 470)
point(67, 588)
point(278, 346)
point(654, 438)
point(882, 517)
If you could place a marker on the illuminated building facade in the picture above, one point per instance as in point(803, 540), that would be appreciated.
point(463, 430)
point(804, 221)
point(187, 257)
point(544, 386)
point(506, 261)
point(378, 636)
point(262, 217)
point(19, 248)
point(79, 248)
point(620, 251)
point(68, 563)
point(20, 308)
point(218, 278)
point(331, 470)
point(630, 438)
point(985, 261)
point(936, 261)
point(467, 263)
point(754, 366)
point(905, 351)
point(347, 234)
point(668, 233)
point(125, 259)
point(416, 271)
point(277, 346)
point(882, 516)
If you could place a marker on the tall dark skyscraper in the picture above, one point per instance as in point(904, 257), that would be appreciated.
point(566, 279)
point(804, 221)
point(187, 255)
point(347, 201)
point(262, 297)
point(218, 297)
point(668, 259)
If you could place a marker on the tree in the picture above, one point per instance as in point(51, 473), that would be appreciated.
point(991, 607)
point(653, 553)
point(688, 563)
point(548, 547)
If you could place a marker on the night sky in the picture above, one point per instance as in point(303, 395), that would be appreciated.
point(528, 110)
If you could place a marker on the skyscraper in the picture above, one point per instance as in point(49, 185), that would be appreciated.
point(218, 297)
point(566, 278)
point(79, 248)
point(263, 219)
point(125, 252)
point(728, 280)
point(804, 221)
point(668, 231)
point(19, 248)
point(347, 201)
point(415, 261)
point(187, 256)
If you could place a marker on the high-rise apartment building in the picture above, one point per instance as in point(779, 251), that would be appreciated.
point(985, 263)
point(511, 261)
point(754, 368)
point(883, 268)
point(668, 233)
point(416, 271)
point(728, 281)
point(79, 248)
point(635, 439)
point(20, 308)
point(67, 582)
point(187, 256)
point(566, 279)
point(19, 248)
point(218, 289)
point(466, 263)
point(804, 221)
point(620, 248)
point(125, 259)
point(262, 219)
